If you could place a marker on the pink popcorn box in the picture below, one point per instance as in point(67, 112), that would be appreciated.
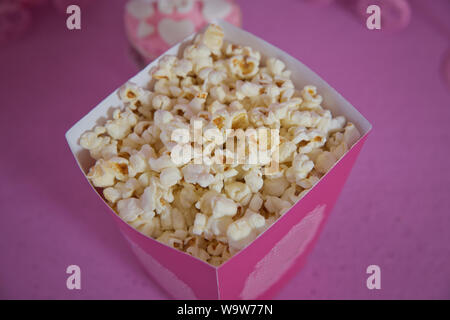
point(265, 265)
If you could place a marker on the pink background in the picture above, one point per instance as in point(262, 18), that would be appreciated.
point(394, 210)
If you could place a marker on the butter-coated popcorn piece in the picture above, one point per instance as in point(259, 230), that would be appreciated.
point(199, 224)
point(223, 206)
point(166, 219)
point(275, 66)
point(122, 124)
point(244, 230)
point(215, 77)
point(150, 227)
point(161, 102)
point(213, 38)
point(291, 194)
point(197, 174)
point(122, 190)
point(182, 68)
point(217, 227)
point(328, 124)
point(275, 187)
point(112, 194)
point(169, 239)
point(286, 151)
point(301, 166)
point(311, 98)
point(243, 67)
point(138, 161)
point(240, 233)
point(199, 55)
point(256, 220)
point(276, 205)
point(215, 249)
point(198, 253)
point(256, 202)
point(339, 150)
point(325, 161)
point(93, 139)
point(246, 89)
point(129, 209)
point(160, 163)
point(218, 92)
point(154, 199)
point(217, 205)
point(104, 173)
point(237, 191)
point(188, 196)
point(170, 177)
point(162, 86)
point(164, 68)
point(309, 181)
point(249, 51)
point(351, 134)
point(134, 96)
point(254, 180)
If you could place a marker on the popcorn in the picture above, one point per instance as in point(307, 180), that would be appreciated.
point(129, 209)
point(161, 102)
point(223, 207)
point(138, 161)
point(121, 126)
point(213, 38)
point(275, 66)
point(104, 172)
point(277, 205)
point(197, 173)
point(325, 161)
point(217, 227)
point(243, 231)
point(243, 67)
point(311, 98)
point(301, 166)
point(256, 202)
point(150, 227)
point(238, 191)
point(163, 162)
point(254, 180)
point(246, 89)
point(122, 190)
point(199, 55)
point(170, 177)
point(198, 253)
point(212, 201)
point(351, 134)
point(275, 187)
point(133, 95)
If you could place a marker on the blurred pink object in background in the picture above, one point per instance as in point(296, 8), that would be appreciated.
point(14, 20)
point(153, 26)
point(395, 14)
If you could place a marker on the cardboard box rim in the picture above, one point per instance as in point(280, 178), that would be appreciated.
point(72, 135)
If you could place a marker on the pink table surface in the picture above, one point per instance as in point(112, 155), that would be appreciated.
point(393, 212)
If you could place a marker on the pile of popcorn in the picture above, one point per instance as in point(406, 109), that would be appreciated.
point(211, 210)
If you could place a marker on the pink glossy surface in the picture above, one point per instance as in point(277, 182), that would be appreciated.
point(393, 211)
point(153, 45)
